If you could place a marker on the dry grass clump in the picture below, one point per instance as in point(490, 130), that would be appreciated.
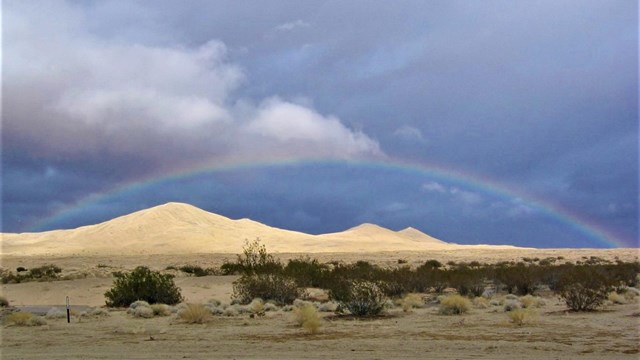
point(25, 319)
point(256, 306)
point(98, 312)
point(454, 305)
point(195, 314)
point(616, 298)
point(328, 306)
point(411, 301)
point(160, 310)
point(140, 309)
point(480, 302)
point(3, 301)
point(631, 293)
point(521, 316)
point(307, 317)
point(510, 305)
point(55, 313)
point(529, 301)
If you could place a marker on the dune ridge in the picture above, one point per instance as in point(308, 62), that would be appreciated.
point(178, 228)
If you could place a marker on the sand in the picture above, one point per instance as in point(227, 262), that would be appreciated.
point(177, 228)
point(612, 332)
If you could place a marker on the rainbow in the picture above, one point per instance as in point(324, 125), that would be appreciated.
point(474, 182)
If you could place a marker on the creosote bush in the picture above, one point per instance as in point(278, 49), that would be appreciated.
point(364, 298)
point(274, 287)
point(454, 305)
point(142, 284)
point(584, 288)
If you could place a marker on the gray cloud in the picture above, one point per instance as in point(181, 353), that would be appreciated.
point(538, 97)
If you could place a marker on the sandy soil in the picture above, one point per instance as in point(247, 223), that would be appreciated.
point(612, 333)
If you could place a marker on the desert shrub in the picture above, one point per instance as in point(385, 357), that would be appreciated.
point(3, 301)
point(45, 272)
point(328, 306)
point(411, 301)
point(257, 306)
point(467, 281)
point(195, 314)
point(140, 309)
point(231, 311)
point(143, 284)
point(274, 287)
point(529, 301)
point(480, 302)
point(518, 278)
point(254, 260)
point(431, 264)
point(307, 272)
point(55, 313)
point(615, 298)
point(454, 305)
point(521, 316)
point(21, 269)
point(631, 293)
point(24, 319)
point(196, 270)
point(510, 305)
point(160, 309)
point(363, 298)
point(584, 288)
point(98, 312)
point(307, 317)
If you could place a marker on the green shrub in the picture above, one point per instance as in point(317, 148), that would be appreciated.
point(254, 260)
point(306, 271)
point(45, 272)
point(196, 270)
point(275, 287)
point(143, 284)
point(584, 288)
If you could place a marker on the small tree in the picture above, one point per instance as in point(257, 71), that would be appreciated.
point(143, 284)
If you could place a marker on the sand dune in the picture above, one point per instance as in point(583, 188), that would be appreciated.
point(177, 228)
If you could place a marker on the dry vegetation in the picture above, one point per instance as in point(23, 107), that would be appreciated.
point(497, 316)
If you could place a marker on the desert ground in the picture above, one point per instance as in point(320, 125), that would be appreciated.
point(613, 332)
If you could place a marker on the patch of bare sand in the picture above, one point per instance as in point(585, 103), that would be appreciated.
point(422, 333)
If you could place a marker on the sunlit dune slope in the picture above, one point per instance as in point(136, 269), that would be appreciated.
point(177, 228)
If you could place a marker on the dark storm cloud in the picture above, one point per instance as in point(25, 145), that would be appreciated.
point(541, 97)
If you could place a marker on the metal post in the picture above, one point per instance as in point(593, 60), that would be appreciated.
point(68, 311)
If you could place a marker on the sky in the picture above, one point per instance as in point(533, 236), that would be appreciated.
point(494, 122)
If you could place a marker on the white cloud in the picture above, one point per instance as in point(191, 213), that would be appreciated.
point(409, 133)
point(434, 186)
point(455, 194)
point(292, 25)
point(70, 92)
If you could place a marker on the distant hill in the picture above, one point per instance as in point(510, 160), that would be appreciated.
point(177, 228)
